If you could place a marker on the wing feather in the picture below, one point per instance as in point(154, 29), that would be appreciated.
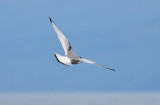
point(64, 41)
point(92, 62)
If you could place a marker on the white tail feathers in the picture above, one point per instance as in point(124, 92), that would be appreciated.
point(63, 60)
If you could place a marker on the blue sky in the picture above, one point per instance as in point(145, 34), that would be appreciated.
point(120, 34)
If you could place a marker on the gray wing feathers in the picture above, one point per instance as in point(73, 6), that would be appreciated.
point(92, 62)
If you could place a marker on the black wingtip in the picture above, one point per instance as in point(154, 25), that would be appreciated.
point(50, 20)
point(111, 69)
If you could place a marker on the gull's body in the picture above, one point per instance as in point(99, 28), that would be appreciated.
point(71, 57)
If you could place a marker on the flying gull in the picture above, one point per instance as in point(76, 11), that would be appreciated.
point(71, 57)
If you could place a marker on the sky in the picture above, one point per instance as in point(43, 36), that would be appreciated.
point(120, 34)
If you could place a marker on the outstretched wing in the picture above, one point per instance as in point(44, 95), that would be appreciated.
point(65, 43)
point(92, 62)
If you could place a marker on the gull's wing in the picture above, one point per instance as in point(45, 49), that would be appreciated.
point(63, 60)
point(65, 43)
point(92, 62)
